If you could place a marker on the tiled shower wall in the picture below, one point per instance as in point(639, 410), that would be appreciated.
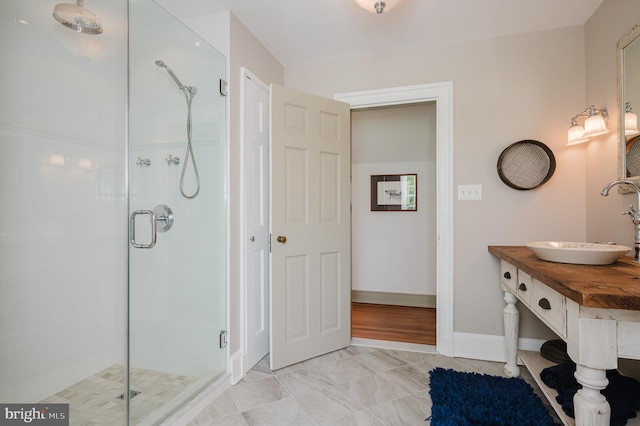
point(62, 264)
point(62, 213)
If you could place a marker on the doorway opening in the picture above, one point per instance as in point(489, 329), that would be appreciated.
point(394, 248)
point(442, 95)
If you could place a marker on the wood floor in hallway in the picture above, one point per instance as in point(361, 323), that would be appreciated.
point(396, 323)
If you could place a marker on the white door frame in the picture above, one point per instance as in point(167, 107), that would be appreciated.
point(442, 94)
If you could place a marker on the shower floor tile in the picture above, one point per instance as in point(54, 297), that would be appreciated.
point(95, 400)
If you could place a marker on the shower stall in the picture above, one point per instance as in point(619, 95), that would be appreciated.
point(113, 209)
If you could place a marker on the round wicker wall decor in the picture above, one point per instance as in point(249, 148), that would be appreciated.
point(526, 164)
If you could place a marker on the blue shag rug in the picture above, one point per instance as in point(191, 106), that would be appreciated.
point(465, 399)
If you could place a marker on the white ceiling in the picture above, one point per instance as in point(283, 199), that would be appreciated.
point(307, 30)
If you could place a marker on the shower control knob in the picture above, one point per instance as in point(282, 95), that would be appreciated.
point(171, 159)
point(143, 162)
point(164, 215)
point(281, 239)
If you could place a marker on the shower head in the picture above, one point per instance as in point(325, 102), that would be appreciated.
point(192, 90)
point(76, 17)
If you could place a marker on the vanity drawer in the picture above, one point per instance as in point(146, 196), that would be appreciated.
point(525, 288)
point(550, 306)
point(508, 275)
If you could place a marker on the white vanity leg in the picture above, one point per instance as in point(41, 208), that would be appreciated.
point(590, 406)
point(511, 325)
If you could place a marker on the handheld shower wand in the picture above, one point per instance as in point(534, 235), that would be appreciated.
point(189, 93)
point(192, 90)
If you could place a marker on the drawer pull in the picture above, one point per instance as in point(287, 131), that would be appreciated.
point(522, 287)
point(507, 275)
point(544, 304)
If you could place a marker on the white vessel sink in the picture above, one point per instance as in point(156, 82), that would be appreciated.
point(578, 253)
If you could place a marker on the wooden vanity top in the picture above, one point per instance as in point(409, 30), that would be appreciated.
point(615, 286)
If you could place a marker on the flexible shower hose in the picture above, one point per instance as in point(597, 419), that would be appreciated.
point(189, 96)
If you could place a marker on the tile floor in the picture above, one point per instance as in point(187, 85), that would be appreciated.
point(354, 386)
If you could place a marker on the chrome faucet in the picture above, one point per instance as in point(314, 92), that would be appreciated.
point(633, 213)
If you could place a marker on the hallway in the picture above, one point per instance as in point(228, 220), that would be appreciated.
point(395, 323)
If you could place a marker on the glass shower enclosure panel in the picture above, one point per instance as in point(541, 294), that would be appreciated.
point(62, 211)
point(177, 208)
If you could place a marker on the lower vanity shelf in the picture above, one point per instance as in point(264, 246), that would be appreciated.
point(535, 363)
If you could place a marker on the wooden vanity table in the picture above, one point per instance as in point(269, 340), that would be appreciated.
point(595, 309)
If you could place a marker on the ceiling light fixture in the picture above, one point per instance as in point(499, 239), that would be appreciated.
point(378, 7)
point(594, 125)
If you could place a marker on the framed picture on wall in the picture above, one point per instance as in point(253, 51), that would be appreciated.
point(394, 192)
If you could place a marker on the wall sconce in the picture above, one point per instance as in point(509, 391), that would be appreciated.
point(630, 121)
point(58, 160)
point(375, 6)
point(84, 163)
point(594, 125)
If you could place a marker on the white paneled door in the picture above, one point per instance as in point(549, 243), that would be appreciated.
point(256, 207)
point(310, 226)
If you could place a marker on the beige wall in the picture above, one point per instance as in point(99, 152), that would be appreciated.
point(612, 20)
point(246, 51)
point(505, 89)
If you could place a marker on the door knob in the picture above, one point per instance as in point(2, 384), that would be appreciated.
point(281, 239)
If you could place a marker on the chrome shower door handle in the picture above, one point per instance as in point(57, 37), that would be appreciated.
point(132, 229)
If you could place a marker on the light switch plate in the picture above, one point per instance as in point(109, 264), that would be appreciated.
point(469, 192)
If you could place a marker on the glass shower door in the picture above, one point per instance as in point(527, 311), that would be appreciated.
point(177, 207)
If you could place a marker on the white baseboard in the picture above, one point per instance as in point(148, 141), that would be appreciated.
point(398, 299)
point(386, 344)
point(237, 361)
point(445, 346)
point(464, 345)
point(487, 347)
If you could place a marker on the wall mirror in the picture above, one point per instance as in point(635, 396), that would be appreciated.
point(629, 101)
